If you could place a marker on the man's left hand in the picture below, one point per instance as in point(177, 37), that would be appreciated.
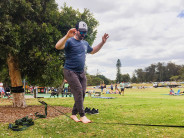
point(105, 37)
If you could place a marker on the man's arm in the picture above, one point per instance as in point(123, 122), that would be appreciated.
point(99, 46)
point(61, 43)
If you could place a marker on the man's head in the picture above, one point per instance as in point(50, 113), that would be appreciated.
point(82, 29)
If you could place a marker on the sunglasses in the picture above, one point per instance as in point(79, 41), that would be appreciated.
point(83, 32)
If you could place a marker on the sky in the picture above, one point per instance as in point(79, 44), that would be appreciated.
point(141, 33)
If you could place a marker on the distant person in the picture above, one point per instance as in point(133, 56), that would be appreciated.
point(116, 86)
point(2, 91)
point(107, 91)
point(8, 92)
point(66, 86)
point(102, 87)
point(171, 92)
point(182, 92)
point(31, 89)
point(116, 89)
point(111, 88)
point(122, 87)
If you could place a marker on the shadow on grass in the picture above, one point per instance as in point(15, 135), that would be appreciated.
point(126, 124)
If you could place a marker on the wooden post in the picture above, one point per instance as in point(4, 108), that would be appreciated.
point(61, 87)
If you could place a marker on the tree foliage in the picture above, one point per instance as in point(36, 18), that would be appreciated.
point(125, 78)
point(69, 18)
point(94, 80)
point(160, 72)
point(30, 30)
point(118, 75)
point(105, 80)
point(134, 78)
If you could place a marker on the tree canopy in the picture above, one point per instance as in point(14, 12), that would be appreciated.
point(29, 32)
point(160, 72)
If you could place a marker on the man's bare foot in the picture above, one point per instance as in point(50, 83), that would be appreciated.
point(85, 120)
point(74, 117)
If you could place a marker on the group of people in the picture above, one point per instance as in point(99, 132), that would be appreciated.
point(5, 92)
point(118, 91)
point(171, 92)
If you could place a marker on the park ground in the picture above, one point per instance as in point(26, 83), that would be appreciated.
point(148, 112)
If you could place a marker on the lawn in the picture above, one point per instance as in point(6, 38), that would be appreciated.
point(132, 115)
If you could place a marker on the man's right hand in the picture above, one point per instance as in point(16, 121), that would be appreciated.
point(61, 43)
point(71, 32)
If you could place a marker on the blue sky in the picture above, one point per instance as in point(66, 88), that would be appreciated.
point(141, 32)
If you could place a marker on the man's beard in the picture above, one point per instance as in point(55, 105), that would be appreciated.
point(80, 37)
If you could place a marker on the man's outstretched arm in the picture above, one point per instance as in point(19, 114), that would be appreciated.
point(61, 43)
point(99, 46)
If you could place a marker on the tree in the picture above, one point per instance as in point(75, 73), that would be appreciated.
point(172, 70)
point(181, 73)
point(150, 73)
point(93, 80)
point(69, 17)
point(125, 77)
point(160, 71)
point(174, 78)
point(29, 32)
point(134, 78)
point(140, 75)
point(118, 75)
point(105, 80)
point(96, 80)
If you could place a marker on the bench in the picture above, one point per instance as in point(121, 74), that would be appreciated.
point(66, 94)
point(54, 94)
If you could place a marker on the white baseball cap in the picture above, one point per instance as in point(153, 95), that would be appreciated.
point(82, 26)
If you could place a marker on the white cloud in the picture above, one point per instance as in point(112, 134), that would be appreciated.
point(141, 32)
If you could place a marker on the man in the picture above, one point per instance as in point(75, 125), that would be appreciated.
point(122, 86)
point(75, 49)
point(111, 88)
point(66, 85)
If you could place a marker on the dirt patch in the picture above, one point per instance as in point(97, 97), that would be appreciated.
point(9, 114)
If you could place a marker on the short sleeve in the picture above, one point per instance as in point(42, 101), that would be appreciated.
point(67, 43)
point(89, 48)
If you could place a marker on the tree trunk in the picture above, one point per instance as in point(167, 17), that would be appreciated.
point(61, 87)
point(16, 80)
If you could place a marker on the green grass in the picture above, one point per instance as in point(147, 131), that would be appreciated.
point(138, 106)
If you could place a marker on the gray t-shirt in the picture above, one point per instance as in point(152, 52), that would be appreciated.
point(122, 85)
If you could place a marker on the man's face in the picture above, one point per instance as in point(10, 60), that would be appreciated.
point(81, 34)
